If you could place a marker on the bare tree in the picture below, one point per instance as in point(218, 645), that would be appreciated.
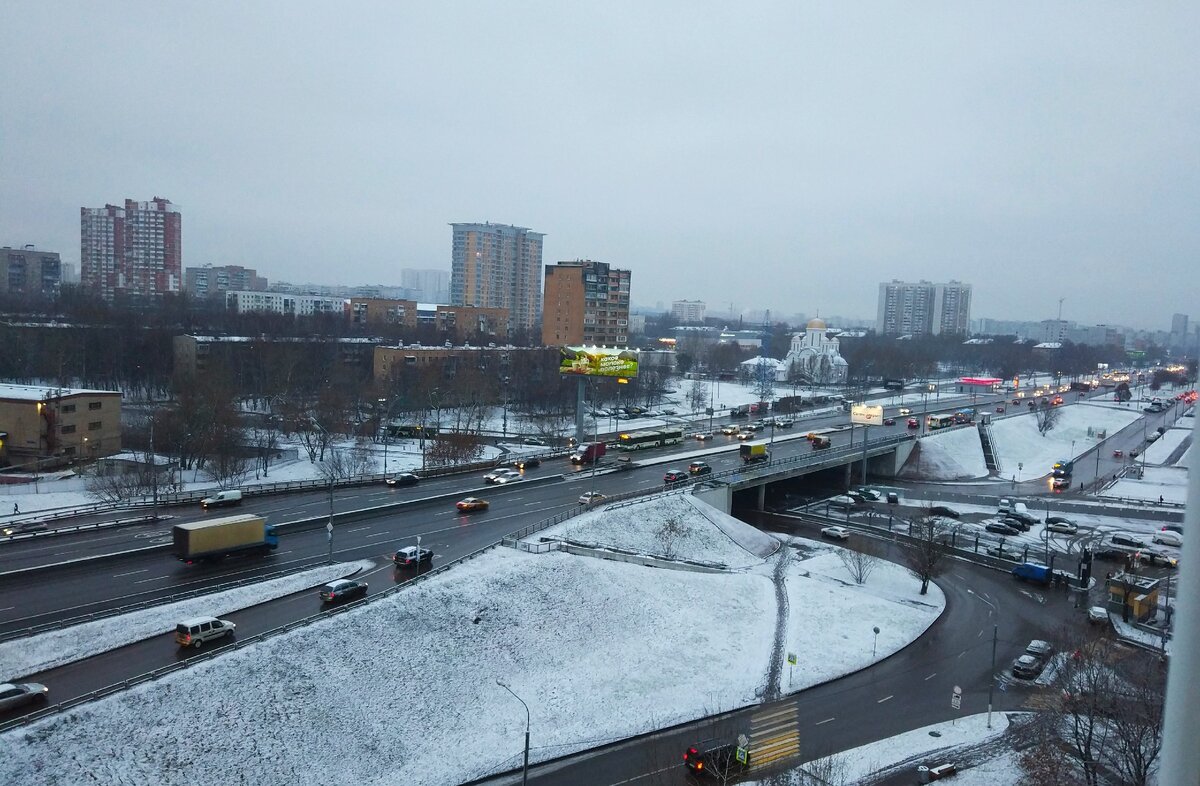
point(668, 535)
point(859, 562)
point(1137, 723)
point(1047, 417)
point(1047, 764)
point(764, 380)
point(120, 486)
point(348, 463)
point(697, 395)
point(925, 555)
point(1087, 703)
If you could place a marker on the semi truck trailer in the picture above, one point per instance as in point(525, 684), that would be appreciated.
point(214, 539)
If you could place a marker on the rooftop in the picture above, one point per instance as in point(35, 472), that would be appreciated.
point(46, 392)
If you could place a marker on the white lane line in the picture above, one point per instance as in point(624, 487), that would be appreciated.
point(156, 578)
point(885, 698)
point(820, 723)
point(131, 573)
point(931, 676)
point(379, 535)
point(8, 608)
point(358, 529)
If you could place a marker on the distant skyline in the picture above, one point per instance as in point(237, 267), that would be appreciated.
point(769, 155)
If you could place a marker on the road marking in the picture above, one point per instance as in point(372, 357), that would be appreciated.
point(156, 578)
point(8, 608)
point(131, 573)
point(885, 698)
point(931, 676)
point(964, 652)
point(530, 504)
point(821, 723)
point(358, 529)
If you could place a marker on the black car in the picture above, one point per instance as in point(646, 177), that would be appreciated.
point(1016, 523)
point(942, 510)
point(403, 479)
point(1110, 554)
point(718, 762)
point(411, 555)
point(699, 468)
point(675, 476)
point(1002, 529)
point(344, 589)
point(1123, 539)
point(527, 463)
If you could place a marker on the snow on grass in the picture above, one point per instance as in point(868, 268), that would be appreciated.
point(1169, 483)
point(1160, 451)
point(838, 616)
point(404, 687)
point(951, 455)
point(1017, 440)
point(706, 533)
point(22, 657)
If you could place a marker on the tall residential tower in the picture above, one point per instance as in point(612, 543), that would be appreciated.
point(135, 251)
point(498, 266)
point(586, 303)
point(922, 308)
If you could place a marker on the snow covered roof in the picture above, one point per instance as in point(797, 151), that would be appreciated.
point(762, 361)
point(1048, 345)
point(47, 392)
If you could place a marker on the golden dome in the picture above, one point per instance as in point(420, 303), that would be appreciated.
point(816, 324)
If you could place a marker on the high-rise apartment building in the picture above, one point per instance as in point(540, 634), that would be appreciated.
point(688, 312)
point(921, 308)
point(586, 303)
point(30, 274)
point(213, 282)
point(498, 266)
point(427, 286)
point(134, 251)
point(1179, 324)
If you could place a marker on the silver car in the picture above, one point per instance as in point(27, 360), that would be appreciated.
point(20, 694)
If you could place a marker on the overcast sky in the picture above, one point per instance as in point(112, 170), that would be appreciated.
point(787, 156)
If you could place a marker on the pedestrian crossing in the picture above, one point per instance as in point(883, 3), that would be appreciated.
point(774, 736)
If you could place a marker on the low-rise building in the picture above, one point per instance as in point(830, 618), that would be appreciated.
point(30, 274)
point(244, 302)
point(46, 426)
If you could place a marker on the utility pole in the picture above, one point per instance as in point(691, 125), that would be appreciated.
point(992, 674)
point(153, 472)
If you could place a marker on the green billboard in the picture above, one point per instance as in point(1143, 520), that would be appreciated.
point(598, 362)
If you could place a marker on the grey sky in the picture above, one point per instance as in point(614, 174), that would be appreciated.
point(768, 155)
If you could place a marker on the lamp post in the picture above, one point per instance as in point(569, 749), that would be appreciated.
point(329, 525)
point(525, 767)
point(504, 426)
point(875, 643)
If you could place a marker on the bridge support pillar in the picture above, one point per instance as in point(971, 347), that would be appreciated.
point(762, 497)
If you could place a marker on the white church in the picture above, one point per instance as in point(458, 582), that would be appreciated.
point(814, 357)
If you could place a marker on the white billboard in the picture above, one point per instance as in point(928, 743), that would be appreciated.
point(866, 415)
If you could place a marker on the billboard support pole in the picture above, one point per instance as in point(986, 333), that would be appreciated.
point(580, 432)
point(866, 430)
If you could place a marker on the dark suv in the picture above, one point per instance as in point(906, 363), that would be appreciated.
point(699, 468)
point(715, 761)
point(675, 476)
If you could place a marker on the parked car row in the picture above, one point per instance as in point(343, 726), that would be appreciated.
point(1033, 661)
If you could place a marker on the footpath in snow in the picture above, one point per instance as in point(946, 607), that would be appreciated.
point(594, 646)
point(22, 657)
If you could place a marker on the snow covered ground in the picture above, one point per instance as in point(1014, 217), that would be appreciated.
point(951, 455)
point(22, 657)
point(1169, 483)
point(1017, 440)
point(1160, 451)
point(595, 647)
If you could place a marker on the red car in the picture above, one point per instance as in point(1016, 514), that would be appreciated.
point(914, 423)
point(1118, 453)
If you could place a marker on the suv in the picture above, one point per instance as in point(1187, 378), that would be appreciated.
point(343, 589)
point(715, 760)
point(699, 468)
point(411, 555)
point(197, 631)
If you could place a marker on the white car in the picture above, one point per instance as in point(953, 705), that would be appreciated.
point(501, 476)
point(1097, 615)
point(905, 411)
point(836, 533)
point(842, 501)
point(1065, 527)
point(1168, 538)
point(509, 476)
point(589, 498)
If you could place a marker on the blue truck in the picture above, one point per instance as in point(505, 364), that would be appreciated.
point(1031, 571)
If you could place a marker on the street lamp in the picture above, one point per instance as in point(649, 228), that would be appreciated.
point(525, 768)
point(875, 643)
point(329, 525)
point(504, 427)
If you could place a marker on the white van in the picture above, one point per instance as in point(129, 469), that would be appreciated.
point(222, 498)
point(1004, 507)
point(197, 631)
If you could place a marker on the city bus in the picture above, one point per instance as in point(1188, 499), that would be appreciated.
point(638, 440)
point(935, 422)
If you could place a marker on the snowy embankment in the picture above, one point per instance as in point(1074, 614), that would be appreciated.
point(843, 614)
point(22, 657)
point(669, 526)
point(599, 649)
point(951, 455)
point(1169, 483)
point(1159, 452)
point(1018, 442)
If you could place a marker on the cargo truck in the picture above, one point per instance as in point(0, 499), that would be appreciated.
point(754, 452)
point(588, 453)
point(211, 540)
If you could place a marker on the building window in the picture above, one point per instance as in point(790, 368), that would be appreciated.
point(68, 429)
point(67, 409)
point(94, 405)
point(94, 425)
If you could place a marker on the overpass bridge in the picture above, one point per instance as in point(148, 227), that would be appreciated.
point(884, 456)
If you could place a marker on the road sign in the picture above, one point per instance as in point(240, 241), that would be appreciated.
point(956, 701)
point(792, 659)
point(329, 527)
point(743, 755)
point(743, 740)
point(957, 691)
point(1020, 465)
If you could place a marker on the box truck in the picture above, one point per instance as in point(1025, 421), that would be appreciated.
point(207, 541)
